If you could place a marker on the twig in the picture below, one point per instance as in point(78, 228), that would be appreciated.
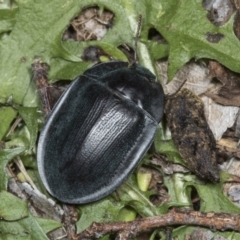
point(137, 37)
point(22, 168)
point(39, 69)
point(70, 219)
point(16, 122)
point(218, 221)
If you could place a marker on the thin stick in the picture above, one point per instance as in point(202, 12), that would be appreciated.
point(219, 221)
point(137, 37)
point(22, 168)
point(170, 96)
point(40, 77)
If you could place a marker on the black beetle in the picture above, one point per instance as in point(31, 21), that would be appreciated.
point(98, 131)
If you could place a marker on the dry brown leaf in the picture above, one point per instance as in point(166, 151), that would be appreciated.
point(229, 93)
point(198, 80)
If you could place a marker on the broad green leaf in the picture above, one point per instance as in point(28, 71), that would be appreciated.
point(5, 156)
point(31, 37)
point(26, 228)
point(185, 26)
point(11, 207)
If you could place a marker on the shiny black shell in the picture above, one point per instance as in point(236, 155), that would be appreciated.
point(98, 131)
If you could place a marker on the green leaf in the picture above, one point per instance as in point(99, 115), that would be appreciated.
point(165, 146)
point(182, 232)
point(26, 228)
point(213, 199)
point(11, 207)
point(29, 116)
point(32, 36)
point(109, 209)
point(169, 149)
point(211, 195)
point(159, 51)
point(5, 156)
point(29, 37)
point(7, 20)
point(14, 237)
point(7, 4)
point(48, 225)
point(65, 70)
point(7, 114)
point(105, 210)
point(131, 195)
point(62, 69)
point(185, 26)
point(127, 214)
point(8, 14)
point(178, 192)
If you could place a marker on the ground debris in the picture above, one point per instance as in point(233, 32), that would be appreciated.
point(191, 134)
point(229, 94)
point(90, 24)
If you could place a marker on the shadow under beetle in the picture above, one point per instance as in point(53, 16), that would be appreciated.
point(98, 131)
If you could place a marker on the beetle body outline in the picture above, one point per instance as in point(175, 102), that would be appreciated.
point(98, 131)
